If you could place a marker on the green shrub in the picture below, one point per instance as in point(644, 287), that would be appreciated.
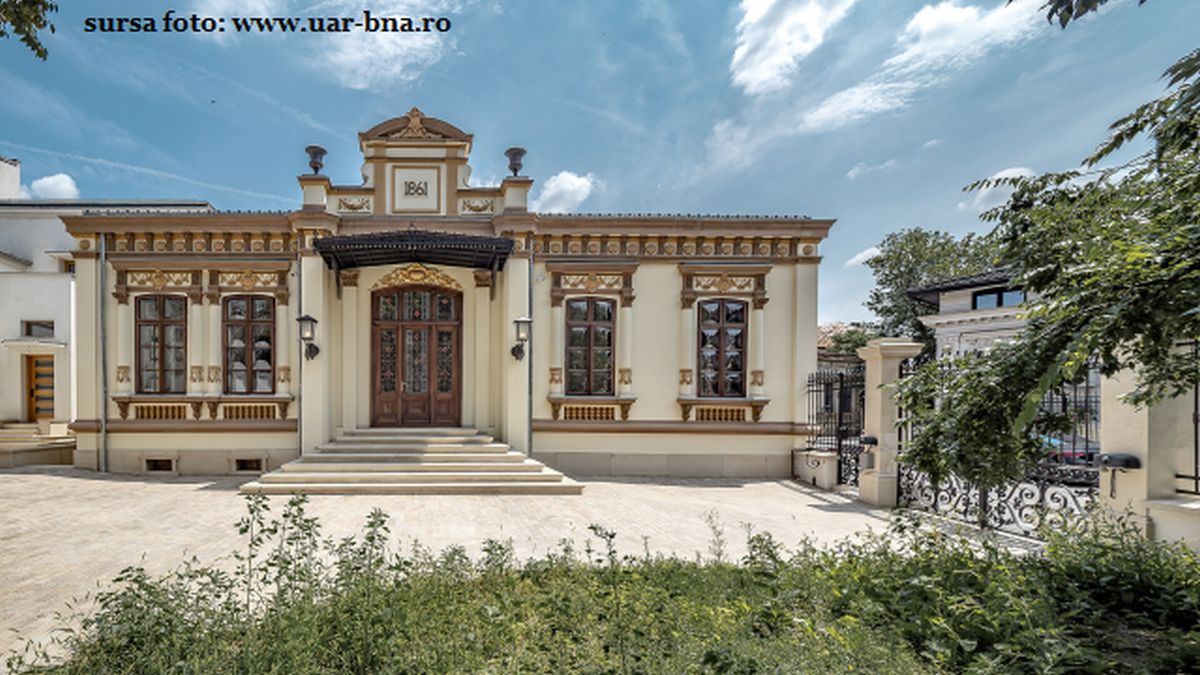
point(1097, 599)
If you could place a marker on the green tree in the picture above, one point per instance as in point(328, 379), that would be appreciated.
point(24, 18)
point(1113, 256)
point(849, 340)
point(915, 257)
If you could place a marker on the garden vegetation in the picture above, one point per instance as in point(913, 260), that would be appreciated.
point(1098, 598)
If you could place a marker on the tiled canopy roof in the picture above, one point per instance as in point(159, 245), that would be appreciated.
point(423, 246)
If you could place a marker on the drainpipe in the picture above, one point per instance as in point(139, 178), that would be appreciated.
point(299, 300)
point(103, 289)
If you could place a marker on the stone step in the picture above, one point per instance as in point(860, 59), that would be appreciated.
point(410, 431)
point(546, 476)
point(415, 457)
point(339, 446)
point(566, 486)
point(416, 440)
point(456, 467)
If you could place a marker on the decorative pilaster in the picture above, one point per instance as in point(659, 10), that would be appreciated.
point(215, 378)
point(125, 342)
point(557, 329)
point(350, 370)
point(482, 301)
point(687, 351)
point(515, 393)
point(758, 350)
point(624, 350)
point(283, 345)
point(315, 404)
point(195, 345)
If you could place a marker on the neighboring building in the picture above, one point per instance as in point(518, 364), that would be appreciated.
point(661, 344)
point(827, 358)
point(36, 294)
point(972, 311)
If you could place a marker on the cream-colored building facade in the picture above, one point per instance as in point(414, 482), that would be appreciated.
point(658, 344)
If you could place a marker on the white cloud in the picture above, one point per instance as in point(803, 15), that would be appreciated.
point(865, 167)
point(932, 143)
point(937, 42)
point(659, 11)
point(862, 257)
point(564, 192)
point(773, 36)
point(355, 60)
point(56, 186)
point(989, 198)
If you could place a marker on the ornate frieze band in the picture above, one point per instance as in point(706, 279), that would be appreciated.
point(732, 279)
point(199, 242)
point(670, 246)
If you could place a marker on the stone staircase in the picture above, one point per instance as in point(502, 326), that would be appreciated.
point(436, 461)
point(27, 443)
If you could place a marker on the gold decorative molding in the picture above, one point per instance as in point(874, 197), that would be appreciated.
point(349, 278)
point(417, 274)
point(737, 280)
point(214, 374)
point(721, 409)
point(757, 378)
point(354, 204)
point(415, 128)
point(483, 279)
point(478, 205)
point(122, 373)
point(625, 376)
point(608, 278)
point(196, 374)
point(556, 375)
point(283, 375)
point(248, 280)
point(685, 376)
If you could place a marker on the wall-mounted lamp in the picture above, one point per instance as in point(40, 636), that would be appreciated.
point(522, 325)
point(316, 158)
point(308, 331)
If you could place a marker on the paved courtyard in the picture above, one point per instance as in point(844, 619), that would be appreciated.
point(63, 531)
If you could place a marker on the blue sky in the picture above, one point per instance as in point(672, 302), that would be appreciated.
point(875, 113)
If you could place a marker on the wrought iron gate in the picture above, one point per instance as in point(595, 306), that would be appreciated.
point(835, 408)
point(1060, 486)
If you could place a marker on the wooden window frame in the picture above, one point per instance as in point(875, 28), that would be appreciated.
point(590, 324)
point(248, 324)
point(162, 323)
point(722, 326)
point(27, 328)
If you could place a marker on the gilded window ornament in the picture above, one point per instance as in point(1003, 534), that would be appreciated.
point(417, 274)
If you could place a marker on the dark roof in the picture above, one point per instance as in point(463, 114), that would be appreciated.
point(930, 292)
point(15, 259)
point(107, 205)
point(423, 246)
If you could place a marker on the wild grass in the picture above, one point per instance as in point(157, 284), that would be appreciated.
point(1098, 598)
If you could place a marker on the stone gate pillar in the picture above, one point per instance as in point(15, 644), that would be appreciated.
point(878, 480)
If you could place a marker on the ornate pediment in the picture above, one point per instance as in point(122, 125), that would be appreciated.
point(415, 126)
point(417, 274)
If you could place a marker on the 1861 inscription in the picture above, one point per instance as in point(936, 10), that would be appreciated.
point(416, 188)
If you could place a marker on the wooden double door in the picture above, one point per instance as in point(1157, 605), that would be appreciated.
point(416, 357)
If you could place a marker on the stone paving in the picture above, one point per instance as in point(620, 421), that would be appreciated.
point(66, 532)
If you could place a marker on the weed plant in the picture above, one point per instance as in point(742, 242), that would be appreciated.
point(1098, 598)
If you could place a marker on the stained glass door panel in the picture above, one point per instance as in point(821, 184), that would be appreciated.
point(416, 357)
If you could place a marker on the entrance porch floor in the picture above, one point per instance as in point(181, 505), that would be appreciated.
point(65, 532)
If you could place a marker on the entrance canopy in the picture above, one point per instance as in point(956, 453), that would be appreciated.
point(421, 246)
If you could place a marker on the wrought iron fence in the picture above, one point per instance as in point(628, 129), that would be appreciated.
point(835, 408)
point(1191, 482)
point(1057, 488)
